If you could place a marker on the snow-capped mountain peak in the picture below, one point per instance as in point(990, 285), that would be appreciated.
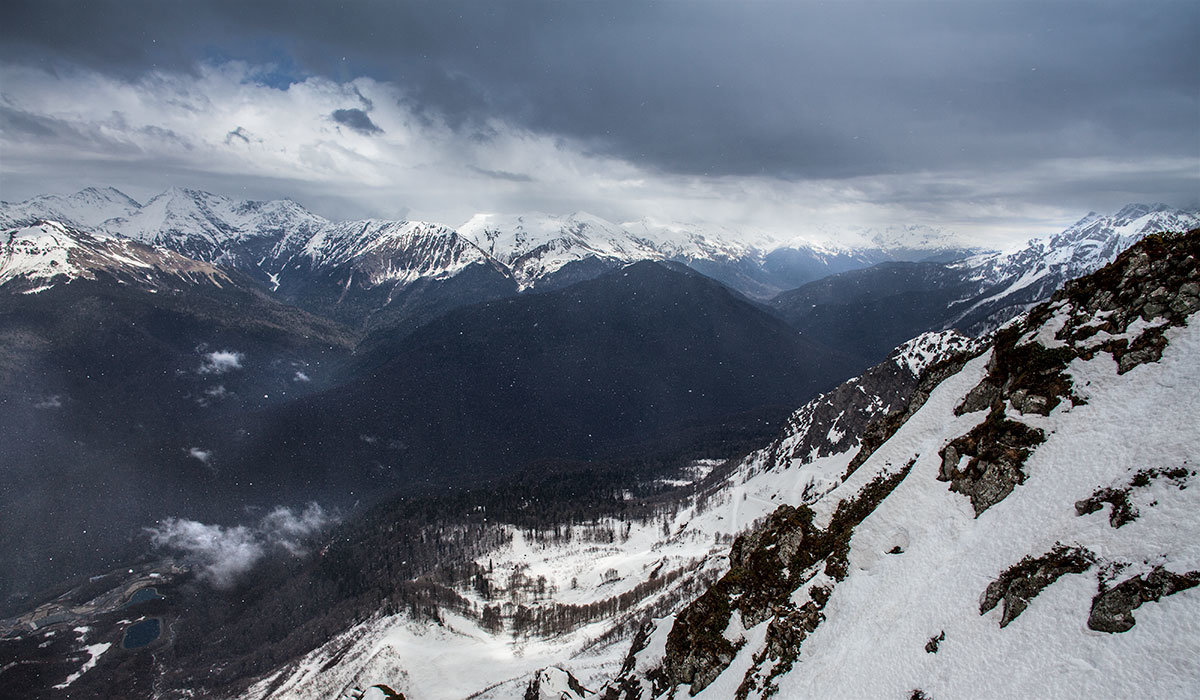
point(86, 209)
point(1012, 282)
point(202, 225)
point(391, 251)
point(35, 258)
point(536, 245)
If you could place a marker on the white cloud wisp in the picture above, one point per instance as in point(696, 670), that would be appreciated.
point(222, 553)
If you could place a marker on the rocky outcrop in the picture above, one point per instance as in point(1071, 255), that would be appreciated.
point(996, 451)
point(1123, 510)
point(1021, 582)
point(556, 684)
point(1112, 608)
point(766, 567)
point(1124, 308)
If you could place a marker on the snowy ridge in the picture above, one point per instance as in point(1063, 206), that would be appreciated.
point(1012, 282)
point(85, 209)
point(35, 258)
point(390, 251)
point(203, 225)
point(534, 246)
point(267, 239)
point(920, 353)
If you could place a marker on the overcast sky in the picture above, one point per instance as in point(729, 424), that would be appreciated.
point(997, 119)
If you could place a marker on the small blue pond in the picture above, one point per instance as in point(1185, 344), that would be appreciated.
point(143, 595)
point(142, 633)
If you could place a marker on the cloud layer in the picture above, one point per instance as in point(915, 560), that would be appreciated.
point(223, 553)
point(974, 115)
point(221, 362)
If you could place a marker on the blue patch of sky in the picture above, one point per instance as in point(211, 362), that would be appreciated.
point(271, 66)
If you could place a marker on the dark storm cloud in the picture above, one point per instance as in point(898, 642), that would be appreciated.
point(783, 89)
point(356, 119)
point(501, 174)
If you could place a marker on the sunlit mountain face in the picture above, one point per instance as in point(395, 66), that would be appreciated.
point(547, 350)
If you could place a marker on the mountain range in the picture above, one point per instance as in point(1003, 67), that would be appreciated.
point(361, 268)
point(195, 361)
point(396, 275)
point(1004, 512)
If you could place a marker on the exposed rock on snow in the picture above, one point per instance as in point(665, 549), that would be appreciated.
point(1123, 510)
point(1021, 582)
point(1112, 608)
point(556, 684)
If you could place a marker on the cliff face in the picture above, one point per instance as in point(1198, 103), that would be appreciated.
point(1019, 503)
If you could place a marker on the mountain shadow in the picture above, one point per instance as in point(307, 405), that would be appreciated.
point(650, 357)
point(866, 313)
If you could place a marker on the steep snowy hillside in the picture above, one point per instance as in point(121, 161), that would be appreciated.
point(1025, 527)
point(35, 258)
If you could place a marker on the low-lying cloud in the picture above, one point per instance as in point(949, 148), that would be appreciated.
point(223, 553)
point(205, 456)
point(221, 361)
point(50, 402)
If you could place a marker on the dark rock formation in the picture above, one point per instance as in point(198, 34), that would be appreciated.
point(1123, 511)
point(1023, 581)
point(1112, 608)
point(997, 449)
point(766, 566)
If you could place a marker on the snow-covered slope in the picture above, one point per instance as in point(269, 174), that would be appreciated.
point(35, 258)
point(381, 252)
point(1026, 527)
